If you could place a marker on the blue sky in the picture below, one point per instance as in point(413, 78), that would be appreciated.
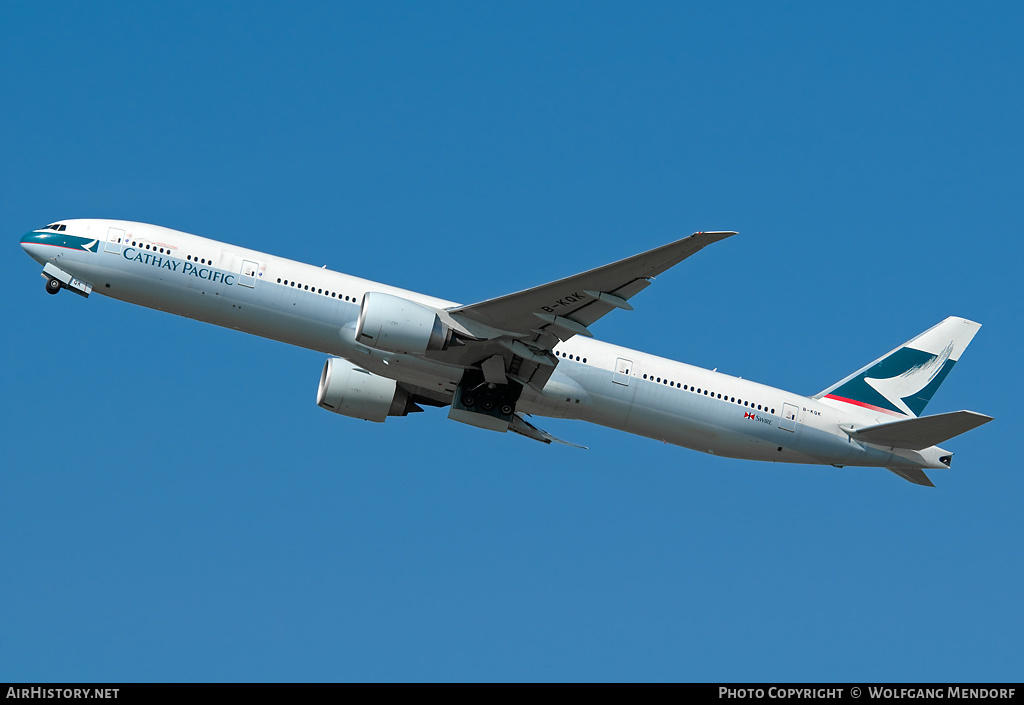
point(174, 506)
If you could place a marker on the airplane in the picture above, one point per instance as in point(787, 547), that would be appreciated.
point(499, 363)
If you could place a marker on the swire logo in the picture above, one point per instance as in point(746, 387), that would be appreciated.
point(754, 417)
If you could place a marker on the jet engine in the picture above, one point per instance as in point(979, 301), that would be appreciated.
point(348, 390)
point(398, 325)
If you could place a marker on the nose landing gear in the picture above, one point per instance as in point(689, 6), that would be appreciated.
point(57, 279)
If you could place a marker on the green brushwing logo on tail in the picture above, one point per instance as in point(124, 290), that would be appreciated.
point(902, 383)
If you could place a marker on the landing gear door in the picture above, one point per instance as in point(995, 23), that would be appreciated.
point(249, 272)
point(623, 370)
point(115, 240)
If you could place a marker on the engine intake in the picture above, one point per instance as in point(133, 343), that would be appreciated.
point(348, 390)
point(394, 324)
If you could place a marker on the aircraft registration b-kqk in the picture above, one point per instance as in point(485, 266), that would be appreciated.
point(525, 354)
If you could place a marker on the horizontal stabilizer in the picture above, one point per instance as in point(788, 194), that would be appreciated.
point(919, 433)
point(915, 475)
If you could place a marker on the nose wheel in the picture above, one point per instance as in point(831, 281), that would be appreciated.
point(53, 286)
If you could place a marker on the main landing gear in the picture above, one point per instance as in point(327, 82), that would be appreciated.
point(479, 403)
point(53, 286)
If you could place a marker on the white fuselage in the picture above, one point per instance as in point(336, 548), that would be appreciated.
point(316, 308)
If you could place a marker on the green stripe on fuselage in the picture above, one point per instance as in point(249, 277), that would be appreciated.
point(71, 242)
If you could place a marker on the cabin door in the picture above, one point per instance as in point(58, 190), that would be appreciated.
point(623, 369)
point(788, 422)
point(248, 273)
point(115, 240)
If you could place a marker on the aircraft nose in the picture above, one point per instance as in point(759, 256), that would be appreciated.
point(31, 242)
point(27, 240)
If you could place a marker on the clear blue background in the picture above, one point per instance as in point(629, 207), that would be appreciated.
point(174, 506)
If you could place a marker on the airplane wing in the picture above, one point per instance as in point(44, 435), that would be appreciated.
point(583, 298)
point(523, 327)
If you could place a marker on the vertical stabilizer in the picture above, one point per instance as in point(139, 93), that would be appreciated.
point(902, 382)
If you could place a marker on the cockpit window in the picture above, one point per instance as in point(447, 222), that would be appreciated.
point(56, 227)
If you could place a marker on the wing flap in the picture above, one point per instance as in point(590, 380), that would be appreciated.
point(919, 433)
point(524, 428)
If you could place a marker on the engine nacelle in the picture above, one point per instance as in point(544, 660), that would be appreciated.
point(398, 325)
point(345, 389)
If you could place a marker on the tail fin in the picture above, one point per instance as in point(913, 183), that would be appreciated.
point(902, 382)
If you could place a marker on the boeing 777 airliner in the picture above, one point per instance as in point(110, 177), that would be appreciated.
point(531, 353)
